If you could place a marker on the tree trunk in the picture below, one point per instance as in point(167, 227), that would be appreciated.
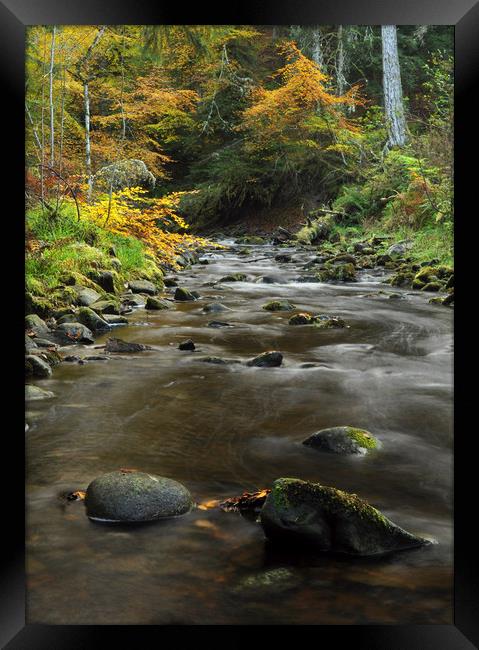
point(52, 115)
point(87, 141)
point(340, 63)
point(393, 99)
point(316, 49)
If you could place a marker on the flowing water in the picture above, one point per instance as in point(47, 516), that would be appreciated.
point(221, 430)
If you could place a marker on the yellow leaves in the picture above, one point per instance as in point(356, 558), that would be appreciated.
point(131, 212)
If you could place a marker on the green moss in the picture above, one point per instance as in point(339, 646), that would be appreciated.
point(234, 277)
point(362, 437)
point(301, 319)
point(286, 492)
point(278, 305)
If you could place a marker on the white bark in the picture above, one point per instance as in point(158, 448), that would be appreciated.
point(52, 114)
point(87, 140)
point(316, 49)
point(340, 64)
point(393, 98)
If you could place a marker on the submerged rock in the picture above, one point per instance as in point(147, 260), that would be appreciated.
point(117, 345)
point(218, 323)
point(215, 307)
point(33, 393)
point(143, 286)
point(135, 497)
point(133, 300)
point(279, 305)
point(272, 582)
point(218, 360)
point(269, 279)
point(327, 519)
point(267, 360)
point(154, 303)
point(328, 322)
point(184, 295)
point(342, 440)
point(186, 345)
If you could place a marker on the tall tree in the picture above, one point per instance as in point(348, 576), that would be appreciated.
point(393, 98)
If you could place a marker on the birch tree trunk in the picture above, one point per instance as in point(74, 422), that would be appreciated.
point(393, 98)
point(52, 114)
point(340, 63)
point(87, 140)
point(316, 49)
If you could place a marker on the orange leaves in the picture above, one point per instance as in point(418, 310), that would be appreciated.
point(283, 114)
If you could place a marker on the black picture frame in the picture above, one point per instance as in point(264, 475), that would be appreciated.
point(15, 15)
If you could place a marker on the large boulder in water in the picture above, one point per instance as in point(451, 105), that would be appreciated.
point(184, 295)
point(91, 319)
point(342, 440)
point(117, 345)
point(131, 496)
point(279, 305)
point(69, 333)
point(326, 519)
point(33, 323)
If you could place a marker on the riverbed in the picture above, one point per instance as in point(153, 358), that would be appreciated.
point(224, 429)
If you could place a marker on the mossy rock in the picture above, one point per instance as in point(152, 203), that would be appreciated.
point(234, 277)
point(301, 319)
point(35, 324)
point(298, 513)
point(432, 286)
point(133, 497)
point(338, 272)
point(215, 308)
point(70, 333)
point(35, 366)
point(426, 274)
point(279, 305)
point(108, 280)
point(417, 284)
point(401, 279)
point(184, 295)
point(43, 307)
point(154, 303)
point(91, 319)
point(342, 440)
point(115, 319)
point(106, 307)
point(85, 296)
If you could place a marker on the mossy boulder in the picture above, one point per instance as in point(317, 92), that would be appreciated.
point(91, 319)
point(143, 286)
point(279, 305)
point(108, 280)
point(184, 295)
point(35, 324)
point(39, 305)
point(267, 360)
point(399, 249)
point(29, 343)
point(154, 303)
point(85, 296)
point(132, 497)
point(342, 440)
point(432, 286)
point(299, 513)
point(401, 279)
point(133, 300)
point(252, 240)
point(338, 272)
point(234, 277)
point(344, 257)
point(35, 366)
point(425, 275)
point(106, 307)
point(269, 583)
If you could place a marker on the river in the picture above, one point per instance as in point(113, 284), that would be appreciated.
point(221, 430)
